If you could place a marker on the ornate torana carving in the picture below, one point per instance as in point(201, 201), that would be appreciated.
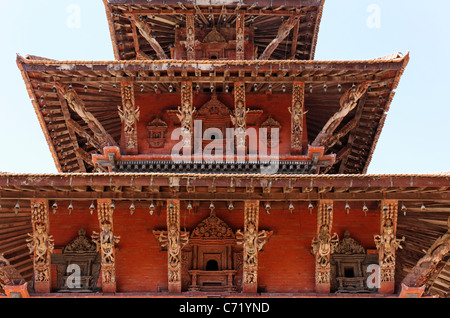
point(40, 242)
point(270, 139)
point(386, 242)
point(212, 228)
point(129, 115)
point(186, 113)
point(349, 246)
point(106, 241)
point(190, 37)
point(297, 117)
point(240, 38)
point(240, 113)
point(214, 37)
point(325, 243)
point(253, 241)
point(81, 244)
point(214, 108)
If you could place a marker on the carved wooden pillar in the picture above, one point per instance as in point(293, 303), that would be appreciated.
point(106, 241)
point(186, 113)
point(240, 117)
point(129, 115)
point(174, 245)
point(41, 245)
point(190, 37)
point(240, 36)
point(297, 117)
point(387, 243)
point(324, 245)
point(251, 225)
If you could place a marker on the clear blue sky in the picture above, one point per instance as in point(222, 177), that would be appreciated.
point(415, 138)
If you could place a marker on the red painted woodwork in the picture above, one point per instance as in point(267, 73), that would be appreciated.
point(156, 105)
point(286, 264)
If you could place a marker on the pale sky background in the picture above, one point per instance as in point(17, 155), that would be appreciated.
point(415, 138)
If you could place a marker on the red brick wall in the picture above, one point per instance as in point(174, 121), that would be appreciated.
point(285, 265)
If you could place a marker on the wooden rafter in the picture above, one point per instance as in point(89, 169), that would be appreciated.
point(146, 32)
point(283, 32)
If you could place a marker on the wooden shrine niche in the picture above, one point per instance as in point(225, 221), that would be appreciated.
point(83, 253)
point(349, 264)
point(214, 115)
point(213, 260)
point(212, 43)
point(157, 130)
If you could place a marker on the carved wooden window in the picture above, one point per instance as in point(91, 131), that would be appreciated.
point(349, 266)
point(83, 253)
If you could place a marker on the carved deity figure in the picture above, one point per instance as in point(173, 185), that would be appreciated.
point(388, 243)
point(240, 115)
point(175, 242)
point(40, 243)
point(253, 242)
point(240, 41)
point(129, 116)
point(324, 245)
point(106, 241)
point(185, 115)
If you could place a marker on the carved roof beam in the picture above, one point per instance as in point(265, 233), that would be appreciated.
point(283, 32)
point(146, 32)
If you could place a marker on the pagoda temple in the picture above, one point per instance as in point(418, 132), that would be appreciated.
point(216, 157)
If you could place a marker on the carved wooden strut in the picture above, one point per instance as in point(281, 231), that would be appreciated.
point(240, 114)
point(77, 105)
point(428, 264)
point(283, 32)
point(129, 114)
point(348, 102)
point(253, 241)
point(240, 37)
point(190, 37)
point(323, 246)
point(186, 113)
point(106, 241)
point(40, 245)
point(146, 32)
point(174, 240)
point(297, 117)
point(387, 243)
